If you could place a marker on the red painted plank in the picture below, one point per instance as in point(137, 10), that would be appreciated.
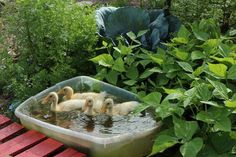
point(21, 143)
point(10, 131)
point(4, 121)
point(42, 149)
point(69, 152)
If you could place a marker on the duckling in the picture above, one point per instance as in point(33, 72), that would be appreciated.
point(88, 107)
point(119, 109)
point(98, 98)
point(68, 105)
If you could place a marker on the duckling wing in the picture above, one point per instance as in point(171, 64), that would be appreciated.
point(70, 105)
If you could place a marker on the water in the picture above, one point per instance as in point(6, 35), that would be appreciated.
point(99, 126)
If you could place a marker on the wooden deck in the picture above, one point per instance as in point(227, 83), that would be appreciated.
point(16, 141)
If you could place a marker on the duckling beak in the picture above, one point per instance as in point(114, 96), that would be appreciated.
point(44, 101)
point(103, 109)
point(85, 106)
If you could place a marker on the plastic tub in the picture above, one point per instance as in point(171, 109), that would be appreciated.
point(136, 144)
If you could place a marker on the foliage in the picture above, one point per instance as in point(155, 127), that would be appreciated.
point(49, 42)
point(191, 85)
point(157, 26)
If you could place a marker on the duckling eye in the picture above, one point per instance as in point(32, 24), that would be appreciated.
point(50, 96)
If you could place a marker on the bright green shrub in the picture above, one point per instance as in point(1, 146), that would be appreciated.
point(52, 39)
point(191, 86)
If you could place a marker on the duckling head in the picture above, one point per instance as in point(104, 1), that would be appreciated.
point(89, 102)
point(67, 90)
point(107, 105)
point(52, 96)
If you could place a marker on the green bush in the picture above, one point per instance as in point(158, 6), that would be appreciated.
point(51, 41)
point(191, 86)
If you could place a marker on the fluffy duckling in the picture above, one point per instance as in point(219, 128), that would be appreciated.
point(98, 98)
point(68, 105)
point(88, 107)
point(119, 109)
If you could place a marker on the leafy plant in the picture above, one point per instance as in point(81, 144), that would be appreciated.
point(50, 41)
point(156, 25)
point(191, 85)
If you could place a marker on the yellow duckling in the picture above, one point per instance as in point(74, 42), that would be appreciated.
point(68, 105)
point(98, 98)
point(88, 107)
point(118, 109)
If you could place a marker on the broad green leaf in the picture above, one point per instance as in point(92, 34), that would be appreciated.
point(191, 148)
point(212, 103)
point(125, 50)
point(231, 74)
point(185, 129)
point(156, 59)
point(141, 33)
point(180, 40)
point(130, 82)
point(119, 65)
point(195, 55)
point(230, 103)
point(153, 98)
point(146, 74)
point(224, 50)
point(131, 35)
point(220, 88)
point(173, 91)
point(132, 72)
point(156, 70)
point(167, 109)
point(104, 60)
point(180, 54)
point(203, 92)
point(112, 77)
point(222, 142)
point(199, 70)
point(218, 69)
point(164, 140)
point(199, 34)
point(186, 66)
point(225, 59)
point(216, 116)
point(183, 32)
point(189, 94)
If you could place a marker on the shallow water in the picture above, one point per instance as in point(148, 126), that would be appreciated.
point(99, 126)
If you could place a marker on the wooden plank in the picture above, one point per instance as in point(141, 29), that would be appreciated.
point(69, 152)
point(21, 143)
point(4, 121)
point(42, 149)
point(9, 131)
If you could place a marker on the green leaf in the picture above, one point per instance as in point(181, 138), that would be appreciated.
point(105, 60)
point(130, 82)
point(218, 69)
point(146, 74)
point(141, 33)
point(132, 72)
point(125, 50)
point(220, 88)
point(153, 98)
point(180, 54)
point(180, 40)
point(112, 77)
point(186, 66)
point(191, 148)
point(119, 65)
point(167, 109)
point(225, 59)
point(230, 103)
point(157, 59)
point(185, 129)
point(231, 74)
point(195, 55)
point(203, 92)
point(216, 116)
point(131, 35)
point(183, 32)
point(212, 103)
